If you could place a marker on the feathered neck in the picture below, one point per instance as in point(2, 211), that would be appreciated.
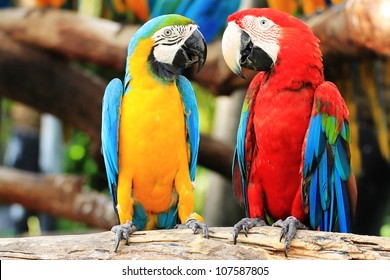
point(299, 61)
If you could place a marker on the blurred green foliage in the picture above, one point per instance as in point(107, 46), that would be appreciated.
point(67, 226)
point(385, 229)
point(206, 107)
point(5, 124)
point(77, 157)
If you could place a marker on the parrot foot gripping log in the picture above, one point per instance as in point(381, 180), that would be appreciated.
point(245, 225)
point(289, 227)
point(194, 224)
point(123, 232)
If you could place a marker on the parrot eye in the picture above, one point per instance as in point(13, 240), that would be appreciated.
point(264, 23)
point(167, 32)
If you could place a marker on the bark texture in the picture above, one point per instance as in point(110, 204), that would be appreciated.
point(261, 243)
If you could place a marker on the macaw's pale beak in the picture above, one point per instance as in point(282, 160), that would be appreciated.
point(193, 51)
point(231, 46)
point(239, 51)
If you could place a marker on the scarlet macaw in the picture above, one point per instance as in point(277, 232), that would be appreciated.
point(150, 129)
point(292, 159)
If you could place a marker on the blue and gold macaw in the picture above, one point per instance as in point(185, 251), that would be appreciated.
point(150, 129)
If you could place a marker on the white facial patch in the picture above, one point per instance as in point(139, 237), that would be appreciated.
point(264, 33)
point(169, 40)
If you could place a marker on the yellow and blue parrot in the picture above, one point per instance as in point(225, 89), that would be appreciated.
point(150, 129)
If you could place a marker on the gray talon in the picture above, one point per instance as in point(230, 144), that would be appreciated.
point(289, 229)
point(245, 225)
point(194, 225)
point(123, 232)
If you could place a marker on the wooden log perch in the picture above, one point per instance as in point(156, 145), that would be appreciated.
point(354, 29)
point(59, 195)
point(261, 243)
point(65, 196)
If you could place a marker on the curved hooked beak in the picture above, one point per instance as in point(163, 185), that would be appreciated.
point(239, 51)
point(194, 50)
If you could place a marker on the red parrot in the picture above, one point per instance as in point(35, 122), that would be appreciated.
point(292, 160)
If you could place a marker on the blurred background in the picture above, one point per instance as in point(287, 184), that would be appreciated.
point(56, 57)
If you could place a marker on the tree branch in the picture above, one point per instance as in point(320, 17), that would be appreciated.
point(98, 41)
point(59, 195)
point(216, 155)
point(78, 37)
point(354, 29)
point(261, 243)
point(50, 84)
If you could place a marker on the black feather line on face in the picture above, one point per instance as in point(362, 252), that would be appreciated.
point(163, 72)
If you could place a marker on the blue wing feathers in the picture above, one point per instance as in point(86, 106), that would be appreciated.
point(331, 209)
point(309, 152)
point(347, 210)
point(342, 161)
point(326, 163)
point(315, 213)
point(140, 218)
point(315, 144)
point(167, 220)
point(239, 154)
point(109, 134)
point(240, 149)
point(325, 221)
point(345, 132)
point(240, 190)
point(323, 182)
point(192, 120)
point(341, 200)
point(322, 141)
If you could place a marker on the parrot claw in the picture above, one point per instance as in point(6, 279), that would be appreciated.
point(123, 232)
point(289, 227)
point(194, 225)
point(245, 225)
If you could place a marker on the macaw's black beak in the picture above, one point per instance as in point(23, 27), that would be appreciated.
point(193, 51)
point(239, 51)
point(253, 57)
